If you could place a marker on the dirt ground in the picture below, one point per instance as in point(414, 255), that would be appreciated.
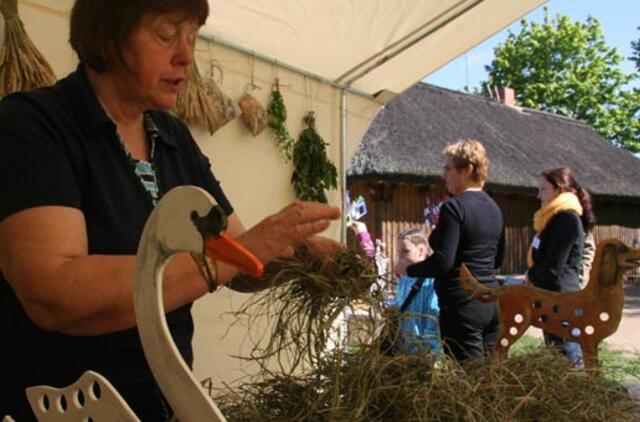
point(627, 338)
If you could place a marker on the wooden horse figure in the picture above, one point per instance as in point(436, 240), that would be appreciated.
point(586, 316)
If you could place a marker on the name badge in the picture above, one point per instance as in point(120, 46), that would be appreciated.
point(535, 243)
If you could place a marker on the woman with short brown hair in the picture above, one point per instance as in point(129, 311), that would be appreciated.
point(82, 165)
point(470, 230)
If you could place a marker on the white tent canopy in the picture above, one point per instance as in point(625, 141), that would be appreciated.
point(372, 45)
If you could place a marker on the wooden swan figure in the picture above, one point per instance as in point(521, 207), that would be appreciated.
point(185, 220)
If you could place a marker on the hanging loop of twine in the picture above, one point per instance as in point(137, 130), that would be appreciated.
point(252, 85)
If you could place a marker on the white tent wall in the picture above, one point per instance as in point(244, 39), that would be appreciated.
point(407, 39)
point(257, 180)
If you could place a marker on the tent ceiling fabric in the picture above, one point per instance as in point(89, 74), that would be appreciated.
point(342, 39)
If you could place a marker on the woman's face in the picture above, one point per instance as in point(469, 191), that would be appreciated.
point(454, 178)
point(156, 59)
point(546, 191)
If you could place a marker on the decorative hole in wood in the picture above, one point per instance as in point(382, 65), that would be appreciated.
point(62, 403)
point(44, 403)
point(79, 399)
point(94, 391)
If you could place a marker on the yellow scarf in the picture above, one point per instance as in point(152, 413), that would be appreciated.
point(566, 201)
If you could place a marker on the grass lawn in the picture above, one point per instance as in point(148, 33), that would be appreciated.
point(619, 366)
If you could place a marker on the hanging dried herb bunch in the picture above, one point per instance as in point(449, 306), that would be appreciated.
point(277, 112)
point(22, 67)
point(253, 114)
point(194, 106)
point(222, 103)
point(313, 171)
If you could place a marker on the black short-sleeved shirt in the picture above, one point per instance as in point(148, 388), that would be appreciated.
point(470, 230)
point(58, 147)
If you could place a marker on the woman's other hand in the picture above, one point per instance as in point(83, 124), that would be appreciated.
point(276, 235)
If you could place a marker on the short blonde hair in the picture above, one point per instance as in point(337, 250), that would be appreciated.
point(469, 152)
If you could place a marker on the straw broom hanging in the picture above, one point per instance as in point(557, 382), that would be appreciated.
point(22, 67)
point(194, 106)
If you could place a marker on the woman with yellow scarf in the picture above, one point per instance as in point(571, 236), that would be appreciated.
point(555, 256)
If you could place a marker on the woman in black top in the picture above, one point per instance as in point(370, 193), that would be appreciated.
point(470, 230)
point(73, 205)
point(555, 257)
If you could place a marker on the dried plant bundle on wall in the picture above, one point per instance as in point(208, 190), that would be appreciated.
point(253, 114)
point(22, 67)
point(194, 106)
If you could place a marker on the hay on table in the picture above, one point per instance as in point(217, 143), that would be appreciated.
point(22, 67)
point(363, 384)
point(368, 386)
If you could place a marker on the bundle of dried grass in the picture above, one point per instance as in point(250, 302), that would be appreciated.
point(363, 383)
point(309, 296)
point(195, 107)
point(221, 101)
point(367, 386)
point(254, 116)
point(22, 67)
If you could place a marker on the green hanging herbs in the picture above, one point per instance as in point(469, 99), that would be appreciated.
point(277, 113)
point(313, 172)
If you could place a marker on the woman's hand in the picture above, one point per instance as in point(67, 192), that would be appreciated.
point(276, 235)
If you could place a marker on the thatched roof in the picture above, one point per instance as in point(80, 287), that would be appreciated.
point(405, 141)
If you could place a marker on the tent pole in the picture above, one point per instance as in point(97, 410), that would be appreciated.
point(343, 164)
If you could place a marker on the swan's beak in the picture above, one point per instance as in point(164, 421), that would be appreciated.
point(224, 248)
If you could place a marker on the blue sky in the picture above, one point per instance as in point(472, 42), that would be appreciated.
point(619, 20)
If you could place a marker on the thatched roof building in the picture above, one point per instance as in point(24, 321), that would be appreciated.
point(398, 164)
point(405, 141)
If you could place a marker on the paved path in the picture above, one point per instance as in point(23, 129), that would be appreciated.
point(627, 338)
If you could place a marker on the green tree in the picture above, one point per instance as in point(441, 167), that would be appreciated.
point(566, 68)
